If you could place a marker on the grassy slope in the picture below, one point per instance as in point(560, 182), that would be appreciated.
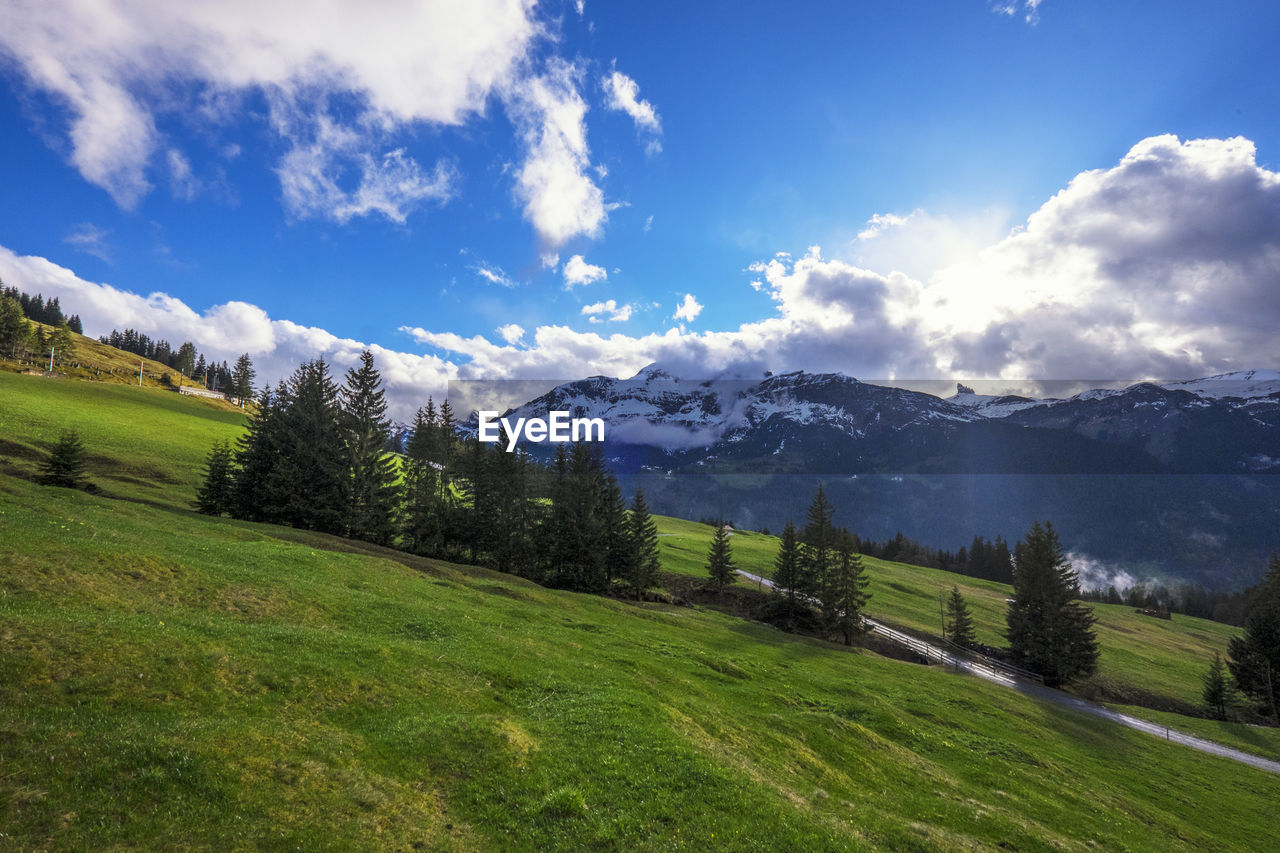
point(94, 360)
point(169, 679)
point(143, 443)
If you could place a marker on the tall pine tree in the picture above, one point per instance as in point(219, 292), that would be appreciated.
point(311, 475)
point(216, 494)
point(786, 573)
point(1050, 631)
point(644, 565)
point(371, 490)
point(720, 567)
point(1254, 659)
point(959, 622)
point(845, 595)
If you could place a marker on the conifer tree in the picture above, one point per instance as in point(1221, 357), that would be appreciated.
point(1217, 691)
point(720, 567)
point(66, 462)
point(613, 514)
point(258, 452)
point(644, 563)
point(846, 594)
point(959, 622)
point(14, 328)
point(217, 493)
point(371, 488)
point(420, 514)
point(242, 379)
point(786, 571)
point(1050, 631)
point(1254, 658)
point(311, 474)
point(817, 545)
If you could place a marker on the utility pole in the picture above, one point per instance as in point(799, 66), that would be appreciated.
point(140, 363)
point(51, 351)
point(942, 615)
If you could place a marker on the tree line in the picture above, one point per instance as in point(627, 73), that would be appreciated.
point(22, 336)
point(36, 308)
point(314, 456)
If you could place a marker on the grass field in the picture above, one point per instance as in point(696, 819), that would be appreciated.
point(1144, 660)
point(92, 359)
point(169, 680)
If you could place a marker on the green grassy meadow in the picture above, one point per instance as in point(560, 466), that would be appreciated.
point(169, 680)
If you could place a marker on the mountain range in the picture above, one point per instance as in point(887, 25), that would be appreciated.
point(1170, 479)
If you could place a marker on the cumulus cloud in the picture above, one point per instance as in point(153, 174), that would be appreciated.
point(1164, 265)
point(597, 310)
point(120, 65)
point(553, 183)
point(577, 271)
point(511, 333)
point(688, 310)
point(227, 330)
point(623, 94)
point(920, 243)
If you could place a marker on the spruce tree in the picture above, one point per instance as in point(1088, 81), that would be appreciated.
point(720, 567)
point(216, 495)
point(959, 622)
point(1217, 689)
point(613, 515)
point(311, 475)
point(845, 595)
point(817, 546)
point(786, 572)
point(14, 329)
point(258, 452)
point(371, 487)
point(644, 564)
point(1254, 658)
point(66, 462)
point(1050, 631)
point(419, 525)
point(242, 379)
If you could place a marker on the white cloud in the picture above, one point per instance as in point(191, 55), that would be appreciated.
point(609, 307)
point(688, 310)
point(623, 94)
point(1029, 8)
point(648, 224)
point(549, 260)
point(227, 330)
point(494, 275)
point(181, 180)
point(511, 333)
point(1165, 265)
point(120, 65)
point(90, 239)
point(577, 271)
point(560, 199)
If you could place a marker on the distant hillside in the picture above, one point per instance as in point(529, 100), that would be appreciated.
point(99, 362)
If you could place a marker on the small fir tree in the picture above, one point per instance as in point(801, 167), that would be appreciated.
point(1254, 658)
point(66, 462)
point(644, 563)
point(846, 595)
point(959, 622)
point(216, 495)
point(720, 567)
point(1217, 692)
point(786, 571)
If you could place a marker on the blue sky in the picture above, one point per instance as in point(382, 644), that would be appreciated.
point(360, 176)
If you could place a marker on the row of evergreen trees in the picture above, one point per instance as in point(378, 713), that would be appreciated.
point(820, 564)
point(314, 456)
point(36, 308)
point(23, 339)
point(234, 381)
